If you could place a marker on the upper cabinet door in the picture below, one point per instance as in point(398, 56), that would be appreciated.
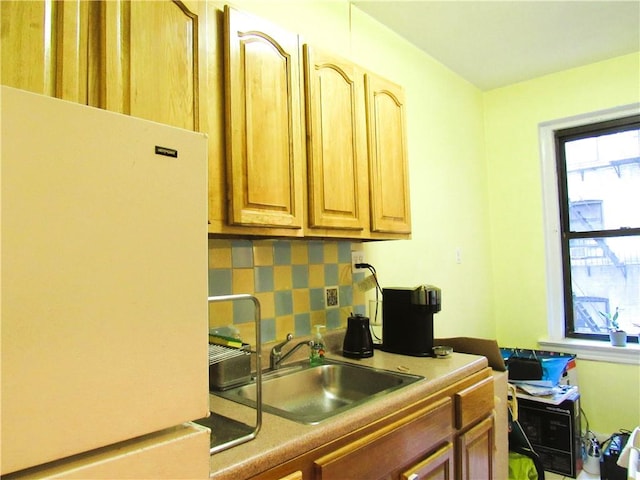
point(44, 47)
point(389, 186)
point(263, 122)
point(336, 142)
point(149, 62)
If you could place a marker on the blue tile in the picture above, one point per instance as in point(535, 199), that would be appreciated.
point(333, 318)
point(268, 331)
point(241, 254)
point(331, 274)
point(302, 324)
point(284, 302)
point(263, 277)
point(282, 253)
point(316, 298)
point(243, 311)
point(316, 252)
point(346, 295)
point(300, 276)
point(360, 309)
point(344, 252)
point(220, 281)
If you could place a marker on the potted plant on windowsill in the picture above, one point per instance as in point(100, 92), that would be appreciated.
point(617, 336)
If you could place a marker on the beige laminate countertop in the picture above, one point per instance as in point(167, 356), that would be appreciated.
point(280, 439)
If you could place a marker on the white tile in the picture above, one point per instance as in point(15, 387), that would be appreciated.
point(552, 476)
point(582, 476)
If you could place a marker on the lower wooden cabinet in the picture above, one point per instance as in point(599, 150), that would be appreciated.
point(437, 466)
point(383, 452)
point(474, 420)
point(293, 476)
point(475, 451)
point(449, 435)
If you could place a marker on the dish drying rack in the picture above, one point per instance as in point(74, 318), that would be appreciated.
point(220, 353)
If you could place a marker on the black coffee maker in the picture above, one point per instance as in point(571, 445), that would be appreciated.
point(407, 319)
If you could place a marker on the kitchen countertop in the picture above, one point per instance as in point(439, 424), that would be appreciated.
point(280, 440)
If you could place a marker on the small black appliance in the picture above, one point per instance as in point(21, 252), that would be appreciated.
point(613, 446)
point(357, 341)
point(407, 319)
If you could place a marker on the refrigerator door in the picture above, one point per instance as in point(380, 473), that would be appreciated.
point(104, 278)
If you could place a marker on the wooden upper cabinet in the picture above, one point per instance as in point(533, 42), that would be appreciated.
point(263, 124)
point(388, 170)
point(148, 62)
point(44, 47)
point(337, 175)
point(132, 57)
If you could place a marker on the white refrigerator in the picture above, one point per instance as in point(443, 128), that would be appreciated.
point(104, 290)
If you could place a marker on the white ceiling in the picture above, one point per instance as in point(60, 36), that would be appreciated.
point(497, 43)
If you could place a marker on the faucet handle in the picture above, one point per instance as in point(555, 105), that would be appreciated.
point(279, 346)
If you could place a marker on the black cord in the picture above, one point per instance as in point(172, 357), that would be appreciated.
point(378, 292)
point(373, 272)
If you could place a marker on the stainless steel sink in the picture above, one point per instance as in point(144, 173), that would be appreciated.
point(309, 394)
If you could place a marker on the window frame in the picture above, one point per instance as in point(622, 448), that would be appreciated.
point(556, 335)
point(562, 136)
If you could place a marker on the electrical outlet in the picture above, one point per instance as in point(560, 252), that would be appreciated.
point(357, 256)
point(331, 297)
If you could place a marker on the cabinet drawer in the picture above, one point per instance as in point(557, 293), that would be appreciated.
point(474, 402)
point(396, 444)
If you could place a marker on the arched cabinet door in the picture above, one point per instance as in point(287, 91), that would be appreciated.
point(44, 47)
point(388, 169)
point(263, 124)
point(149, 60)
point(336, 142)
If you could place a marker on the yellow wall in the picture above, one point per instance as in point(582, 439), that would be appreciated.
point(515, 196)
point(448, 186)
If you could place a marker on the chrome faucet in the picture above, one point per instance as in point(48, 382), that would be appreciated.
point(276, 356)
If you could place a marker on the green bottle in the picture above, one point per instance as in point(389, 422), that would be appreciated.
point(317, 349)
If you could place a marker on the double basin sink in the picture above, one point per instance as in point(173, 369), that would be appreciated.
point(309, 394)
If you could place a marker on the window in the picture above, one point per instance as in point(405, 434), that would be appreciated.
point(598, 195)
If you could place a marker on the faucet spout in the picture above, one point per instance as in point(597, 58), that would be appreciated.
point(276, 357)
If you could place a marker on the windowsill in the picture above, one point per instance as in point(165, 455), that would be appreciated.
point(594, 350)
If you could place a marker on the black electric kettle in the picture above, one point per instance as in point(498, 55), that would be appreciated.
point(357, 341)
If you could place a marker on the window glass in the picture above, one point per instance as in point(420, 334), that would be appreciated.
point(605, 276)
point(603, 176)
